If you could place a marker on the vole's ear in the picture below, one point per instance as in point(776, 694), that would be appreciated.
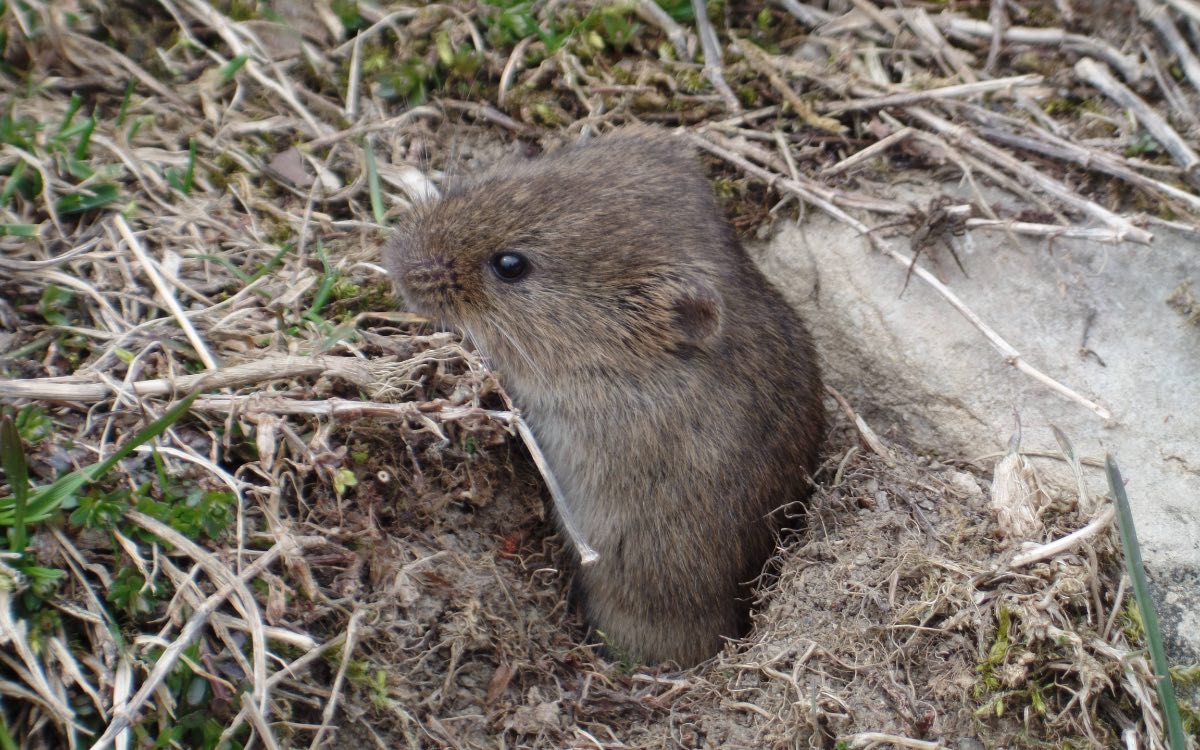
point(697, 308)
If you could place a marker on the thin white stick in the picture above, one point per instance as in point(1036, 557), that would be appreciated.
point(280, 367)
point(868, 153)
point(1099, 77)
point(806, 14)
point(1096, 234)
point(1189, 8)
point(711, 47)
point(964, 137)
point(1159, 17)
point(587, 555)
point(164, 292)
point(871, 739)
point(1131, 70)
point(652, 13)
point(122, 720)
point(336, 689)
point(1059, 546)
point(942, 92)
point(1011, 355)
point(355, 79)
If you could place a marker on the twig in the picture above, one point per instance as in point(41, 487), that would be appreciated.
point(1189, 8)
point(515, 60)
point(344, 408)
point(871, 739)
point(164, 292)
point(259, 722)
point(763, 64)
point(215, 20)
point(864, 430)
point(235, 376)
point(1093, 159)
point(806, 14)
point(1058, 546)
point(1161, 18)
point(587, 555)
point(868, 153)
point(712, 56)
point(1098, 76)
point(491, 114)
point(999, 20)
point(335, 690)
point(940, 93)
point(244, 600)
point(291, 671)
point(122, 720)
point(15, 634)
point(1095, 234)
point(1049, 185)
point(653, 14)
point(878, 17)
point(1131, 70)
point(830, 195)
point(1011, 355)
point(354, 79)
point(920, 23)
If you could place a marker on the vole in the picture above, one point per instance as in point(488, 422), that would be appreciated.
point(673, 391)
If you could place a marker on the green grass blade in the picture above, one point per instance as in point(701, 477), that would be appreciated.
point(85, 138)
point(12, 183)
point(1141, 594)
point(72, 107)
point(99, 195)
point(321, 298)
point(124, 111)
point(6, 739)
point(230, 69)
point(18, 230)
point(147, 433)
point(275, 261)
point(135, 126)
point(45, 501)
point(373, 187)
point(190, 174)
point(12, 455)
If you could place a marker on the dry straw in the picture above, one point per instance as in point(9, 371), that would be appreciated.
point(204, 218)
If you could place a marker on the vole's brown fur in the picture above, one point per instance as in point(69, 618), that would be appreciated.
point(673, 391)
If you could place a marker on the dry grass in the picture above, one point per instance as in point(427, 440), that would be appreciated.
point(343, 545)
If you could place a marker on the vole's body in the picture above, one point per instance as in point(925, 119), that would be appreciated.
point(673, 391)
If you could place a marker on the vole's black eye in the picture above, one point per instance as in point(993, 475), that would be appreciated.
point(510, 266)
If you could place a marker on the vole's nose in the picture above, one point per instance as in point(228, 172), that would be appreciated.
point(430, 283)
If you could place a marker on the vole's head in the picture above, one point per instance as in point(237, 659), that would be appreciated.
point(603, 257)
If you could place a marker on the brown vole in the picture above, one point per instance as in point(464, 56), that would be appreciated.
point(674, 392)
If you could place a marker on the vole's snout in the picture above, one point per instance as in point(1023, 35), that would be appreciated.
point(430, 286)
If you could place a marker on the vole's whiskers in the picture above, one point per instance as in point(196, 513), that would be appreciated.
point(483, 353)
point(519, 349)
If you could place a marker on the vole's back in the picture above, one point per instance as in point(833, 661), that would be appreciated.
point(673, 390)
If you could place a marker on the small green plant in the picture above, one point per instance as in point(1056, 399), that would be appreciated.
point(54, 303)
point(347, 13)
point(997, 654)
point(27, 505)
point(133, 593)
point(183, 183)
point(69, 146)
point(32, 423)
point(378, 686)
